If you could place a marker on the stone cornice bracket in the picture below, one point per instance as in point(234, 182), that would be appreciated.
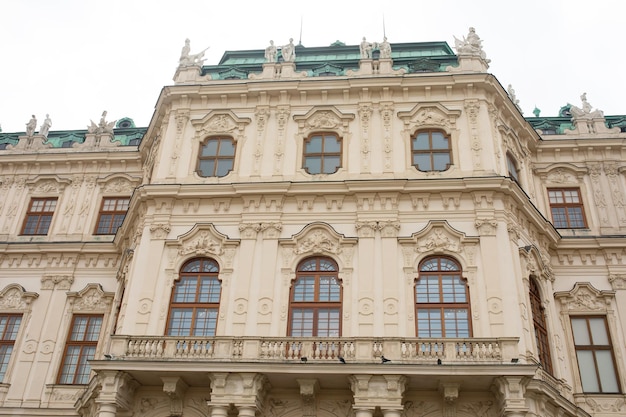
point(510, 394)
point(175, 389)
point(386, 391)
point(238, 388)
point(61, 282)
point(618, 281)
point(116, 388)
point(308, 391)
point(450, 393)
point(159, 231)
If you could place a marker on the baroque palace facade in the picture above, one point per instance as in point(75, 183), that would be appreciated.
point(367, 230)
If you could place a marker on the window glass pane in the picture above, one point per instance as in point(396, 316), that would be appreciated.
point(92, 333)
point(224, 166)
point(331, 164)
point(326, 265)
point(227, 147)
point(555, 197)
point(559, 218)
point(429, 323)
point(421, 142)
point(304, 289)
point(209, 290)
point(598, 331)
point(72, 355)
point(206, 167)
point(180, 322)
point(331, 144)
point(606, 371)
point(329, 289)
point(185, 290)
point(581, 335)
point(301, 322)
point(313, 165)
point(210, 148)
point(575, 215)
point(439, 141)
point(82, 374)
point(328, 322)
point(206, 322)
point(422, 161)
point(313, 145)
point(587, 371)
point(441, 161)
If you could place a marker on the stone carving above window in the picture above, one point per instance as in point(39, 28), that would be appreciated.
point(202, 240)
point(220, 122)
point(426, 115)
point(323, 118)
point(318, 239)
point(48, 185)
point(118, 184)
point(92, 298)
point(14, 298)
point(437, 237)
point(584, 298)
point(561, 173)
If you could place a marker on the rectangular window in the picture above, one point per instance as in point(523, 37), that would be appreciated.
point(594, 353)
point(112, 213)
point(567, 208)
point(39, 216)
point(9, 325)
point(81, 346)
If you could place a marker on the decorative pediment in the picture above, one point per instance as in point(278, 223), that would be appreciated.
point(47, 185)
point(318, 239)
point(426, 115)
point(220, 122)
point(14, 298)
point(561, 173)
point(233, 74)
point(534, 264)
point(202, 240)
point(584, 298)
point(438, 237)
point(92, 298)
point(327, 69)
point(323, 118)
point(119, 183)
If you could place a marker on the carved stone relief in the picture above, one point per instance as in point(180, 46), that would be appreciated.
point(584, 298)
point(92, 298)
point(14, 297)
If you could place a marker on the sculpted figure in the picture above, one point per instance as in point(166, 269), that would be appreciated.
point(103, 126)
point(470, 45)
point(385, 49)
point(31, 126)
point(585, 112)
point(289, 51)
point(186, 59)
point(271, 52)
point(45, 127)
point(366, 49)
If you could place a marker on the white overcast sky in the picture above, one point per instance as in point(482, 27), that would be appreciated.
point(75, 58)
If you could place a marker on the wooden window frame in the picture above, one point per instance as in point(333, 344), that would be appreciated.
point(115, 214)
point(316, 305)
point(541, 329)
point(564, 205)
point(6, 342)
point(596, 348)
point(431, 150)
point(322, 155)
point(441, 305)
point(196, 305)
point(40, 228)
point(217, 157)
point(80, 368)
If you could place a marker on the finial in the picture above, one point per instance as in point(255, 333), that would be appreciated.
point(536, 111)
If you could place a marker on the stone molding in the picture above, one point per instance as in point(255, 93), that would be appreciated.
point(15, 298)
point(584, 298)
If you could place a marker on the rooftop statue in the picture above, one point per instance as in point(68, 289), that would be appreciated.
point(385, 49)
point(31, 126)
point(103, 126)
point(366, 49)
point(585, 112)
point(45, 127)
point(289, 51)
point(271, 52)
point(470, 45)
point(187, 59)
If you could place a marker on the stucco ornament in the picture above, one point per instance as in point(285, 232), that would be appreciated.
point(91, 298)
point(14, 297)
point(585, 298)
point(318, 242)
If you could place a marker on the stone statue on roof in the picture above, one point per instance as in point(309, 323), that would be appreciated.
point(31, 126)
point(187, 59)
point(289, 51)
point(103, 126)
point(470, 45)
point(385, 49)
point(271, 52)
point(366, 49)
point(585, 112)
point(45, 127)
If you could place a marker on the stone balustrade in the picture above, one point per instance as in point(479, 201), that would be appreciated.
point(271, 349)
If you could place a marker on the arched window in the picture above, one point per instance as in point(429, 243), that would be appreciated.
point(217, 157)
point(431, 150)
point(322, 153)
point(511, 166)
point(442, 299)
point(315, 300)
point(195, 300)
point(539, 323)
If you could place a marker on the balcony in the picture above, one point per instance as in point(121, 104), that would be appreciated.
point(320, 350)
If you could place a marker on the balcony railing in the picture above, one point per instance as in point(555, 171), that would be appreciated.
point(274, 349)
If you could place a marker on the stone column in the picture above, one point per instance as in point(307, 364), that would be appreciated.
point(218, 410)
point(392, 412)
point(246, 411)
point(511, 394)
point(107, 410)
point(363, 412)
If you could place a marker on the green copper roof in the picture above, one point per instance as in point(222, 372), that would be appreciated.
point(66, 138)
point(337, 58)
